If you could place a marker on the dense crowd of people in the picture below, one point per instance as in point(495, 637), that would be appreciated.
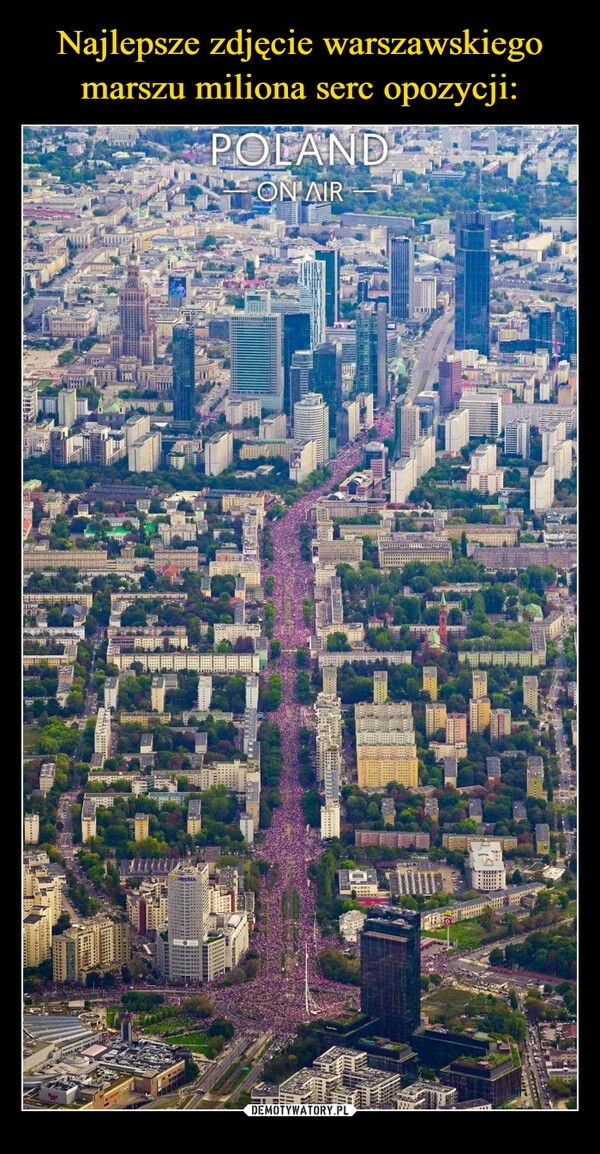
point(275, 999)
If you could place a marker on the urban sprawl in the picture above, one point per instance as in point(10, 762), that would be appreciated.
point(299, 619)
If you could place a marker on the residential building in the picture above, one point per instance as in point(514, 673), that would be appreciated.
point(391, 971)
point(541, 488)
point(456, 728)
point(500, 724)
point(479, 683)
point(456, 431)
point(517, 439)
point(218, 453)
point(111, 692)
point(403, 479)
point(94, 943)
point(102, 732)
point(535, 777)
point(141, 824)
point(144, 454)
point(67, 407)
point(410, 427)
point(435, 717)
point(530, 693)
point(479, 714)
point(430, 681)
point(205, 692)
point(330, 820)
point(194, 817)
point(32, 828)
point(380, 686)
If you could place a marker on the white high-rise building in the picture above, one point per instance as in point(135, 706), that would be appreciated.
point(485, 411)
point(517, 439)
point(541, 488)
point(144, 454)
point(551, 436)
point(204, 692)
point(561, 459)
point(311, 423)
point(218, 453)
point(102, 732)
point(252, 688)
point(330, 820)
point(403, 480)
point(67, 407)
point(456, 431)
point(187, 923)
point(311, 280)
point(32, 828)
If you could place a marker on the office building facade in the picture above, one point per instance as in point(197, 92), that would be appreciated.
point(472, 311)
point(371, 352)
point(184, 364)
point(331, 261)
point(390, 980)
point(256, 368)
point(311, 280)
point(402, 278)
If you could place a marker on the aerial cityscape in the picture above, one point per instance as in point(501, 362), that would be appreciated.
point(299, 641)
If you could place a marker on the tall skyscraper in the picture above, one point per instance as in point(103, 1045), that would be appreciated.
point(296, 335)
point(187, 923)
point(327, 379)
point(311, 280)
point(184, 371)
point(256, 369)
point(311, 422)
point(566, 327)
point(371, 352)
point(472, 315)
point(137, 338)
point(330, 258)
point(402, 277)
point(390, 971)
point(301, 375)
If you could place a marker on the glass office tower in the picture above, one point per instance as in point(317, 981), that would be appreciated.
point(472, 315)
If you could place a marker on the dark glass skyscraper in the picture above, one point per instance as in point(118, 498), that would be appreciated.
point(472, 315)
point(402, 277)
point(296, 335)
point(184, 366)
point(390, 971)
point(371, 352)
point(566, 327)
point(330, 258)
point(327, 379)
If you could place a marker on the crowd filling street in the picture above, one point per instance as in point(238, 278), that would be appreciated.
point(275, 999)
